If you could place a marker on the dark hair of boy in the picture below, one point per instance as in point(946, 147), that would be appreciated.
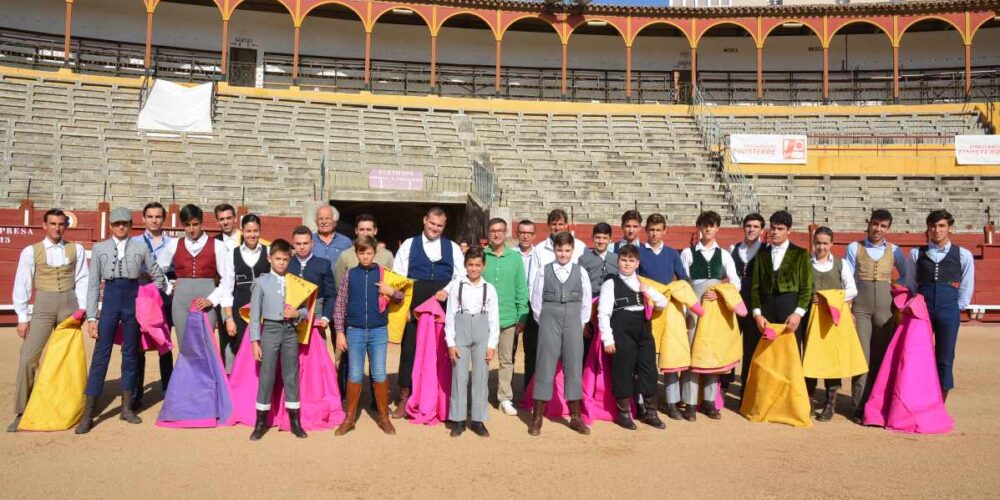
point(881, 215)
point(602, 228)
point(494, 221)
point(628, 252)
point(152, 205)
point(562, 238)
point(781, 218)
point(281, 246)
point(365, 217)
point(224, 207)
point(709, 219)
point(248, 218)
point(940, 215)
point(754, 217)
point(656, 219)
point(301, 230)
point(631, 215)
point(474, 253)
point(189, 213)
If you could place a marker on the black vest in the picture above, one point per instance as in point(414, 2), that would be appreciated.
point(625, 296)
point(949, 270)
point(245, 275)
point(743, 268)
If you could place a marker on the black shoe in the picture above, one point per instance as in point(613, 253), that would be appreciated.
point(480, 429)
point(690, 413)
point(136, 404)
point(259, 427)
point(673, 412)
point(708, 408)
point(87, 420)
point(640, 407)
point(624, 416)
point(127, 413)
point(652, 417)
point(293, 422)
point(858, 417)
point(457, 428)
point(13, 425)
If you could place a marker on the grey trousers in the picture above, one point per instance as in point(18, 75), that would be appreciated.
point(185, 291)
point(50, 309)
point(505, 356)
point(472, 332)
point(279, 338)
point(560, 336)
point(873, 317)
point(689, 381)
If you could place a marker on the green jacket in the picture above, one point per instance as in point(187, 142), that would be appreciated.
point(794, 275)
point(506, 274)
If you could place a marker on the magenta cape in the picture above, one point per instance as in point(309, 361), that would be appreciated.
point(318, 391)
point(198, 394)
point(598, 398)
point(907, 392)
point(428, 403)
point(154, 330)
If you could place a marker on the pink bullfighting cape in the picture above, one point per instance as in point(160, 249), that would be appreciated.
point(154, 332)
point(319, 394)
point(428, 403)
point(198, 394)
point(598, 398)
point(907, 392)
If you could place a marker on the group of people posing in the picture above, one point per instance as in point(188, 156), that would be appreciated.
point(620, 311)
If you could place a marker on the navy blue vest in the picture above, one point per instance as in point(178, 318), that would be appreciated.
point(362, 298)
point(949, 270)
point(659, 267)
point(422, 269)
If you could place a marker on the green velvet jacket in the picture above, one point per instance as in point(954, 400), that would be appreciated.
point(794, 275)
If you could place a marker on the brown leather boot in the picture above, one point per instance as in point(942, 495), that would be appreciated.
point(353, 395)
point(537, 416)
point(382, 402)
point(652, 418)
point(575, 422)
point(404, 395)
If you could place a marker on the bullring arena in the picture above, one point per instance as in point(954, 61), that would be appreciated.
point(495, 109)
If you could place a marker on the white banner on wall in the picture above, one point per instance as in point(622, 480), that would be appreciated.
point(760, 148)
point(977, 149)
point(176, 108)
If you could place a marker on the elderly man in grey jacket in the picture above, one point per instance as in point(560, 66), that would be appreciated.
point(119, 262)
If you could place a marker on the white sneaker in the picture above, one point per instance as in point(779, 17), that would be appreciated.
point(508, 408)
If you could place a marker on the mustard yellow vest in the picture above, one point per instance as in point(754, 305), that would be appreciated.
point(54, 279)
point(874, 270)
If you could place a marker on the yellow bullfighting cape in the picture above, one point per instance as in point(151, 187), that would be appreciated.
point(717, 345)
point(776, 388)
point(669, 326)
point(398, 311)
point(299, 293)
point(56, 403)
point(833, 349)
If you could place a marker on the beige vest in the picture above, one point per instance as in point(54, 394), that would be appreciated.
point(874, 270)
point(54, 279)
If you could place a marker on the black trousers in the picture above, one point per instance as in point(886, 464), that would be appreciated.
point(751, 336)
point(633, 366)
point(422, 290)
point(530, 348)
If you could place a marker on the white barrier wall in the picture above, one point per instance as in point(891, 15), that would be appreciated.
point(200, 27)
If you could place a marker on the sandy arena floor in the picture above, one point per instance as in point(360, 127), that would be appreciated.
point(729, 458)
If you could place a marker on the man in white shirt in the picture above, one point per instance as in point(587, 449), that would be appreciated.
point(58, 273)
point(201, 265)
point(432, 261)
point(225, 216)
point(743, 255)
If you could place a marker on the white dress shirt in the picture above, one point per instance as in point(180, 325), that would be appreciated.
point(606, 304)
point(232, 241)
point(544, 253)
point(656, 250)
point(728, 265)
point(746, 252)
point(562, 274)
point(223, 293)
point(250, 258)
point(846, 274)
point(119, 247)
point(526, 262)
point(472, 303)
point(55, 256)
point(432, 249)
point(778, 255)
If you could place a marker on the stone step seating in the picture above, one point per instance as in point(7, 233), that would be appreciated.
point(597, 161)
point(845, 202)
point(943, 124)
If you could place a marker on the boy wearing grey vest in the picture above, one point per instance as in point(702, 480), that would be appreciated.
point(272, 331)
point(472, 332)
point(560, 302)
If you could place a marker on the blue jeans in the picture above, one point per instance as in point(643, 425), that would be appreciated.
point(370, 341)
point(119, 307)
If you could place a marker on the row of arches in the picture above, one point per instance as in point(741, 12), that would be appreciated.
point(628, 29)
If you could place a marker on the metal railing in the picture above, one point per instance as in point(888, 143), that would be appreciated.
point(739, 193)
point(483, 183)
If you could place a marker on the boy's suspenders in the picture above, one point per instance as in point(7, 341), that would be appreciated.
point(461, 284)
